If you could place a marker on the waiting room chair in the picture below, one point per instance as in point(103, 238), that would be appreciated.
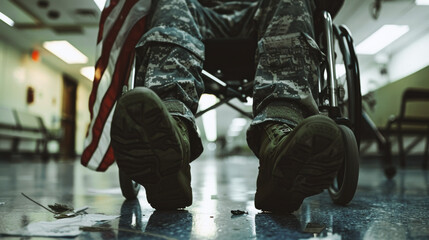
point(406, 123)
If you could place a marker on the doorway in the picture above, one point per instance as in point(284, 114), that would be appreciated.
point(68, 117)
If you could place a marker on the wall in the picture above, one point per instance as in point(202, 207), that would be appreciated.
point(82, 113)
point(18, 72)
point(406, 68)
point(409, 60)
point(388, 97)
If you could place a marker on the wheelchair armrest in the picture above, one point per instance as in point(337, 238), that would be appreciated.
point(332, 6)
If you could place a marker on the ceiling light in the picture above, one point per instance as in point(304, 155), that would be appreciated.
point(209, 118)
point(6, 19)
point(88, 72)
point(65, 51)
point(100, 4)
point(340, 70)
point(381, 38)
point(422, 2)
point(249, 101)
point(236, 127)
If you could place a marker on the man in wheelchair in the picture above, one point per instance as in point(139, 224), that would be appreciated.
point(153, 131)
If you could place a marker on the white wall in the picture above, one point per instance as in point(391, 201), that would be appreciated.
point(402, 64)
point(82, 114)
point(18, 72)
point(410, 59)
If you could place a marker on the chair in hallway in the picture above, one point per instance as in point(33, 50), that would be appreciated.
point(411, 123)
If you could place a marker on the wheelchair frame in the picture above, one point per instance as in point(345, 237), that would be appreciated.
point(344, 186)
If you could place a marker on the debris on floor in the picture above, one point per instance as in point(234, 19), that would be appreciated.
point(314, 228)
point(49, 210)
point(96, 229)
point(68, 224)
point(238, 212)
point(71, 213)
point(2, 203)
point(66, 227)
point(60, 210)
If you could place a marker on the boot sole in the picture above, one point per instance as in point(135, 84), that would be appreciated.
point(147, 149)
point(308, 165)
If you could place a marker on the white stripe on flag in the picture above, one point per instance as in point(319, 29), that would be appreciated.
point(106, 79)
point(103, 144)
point(111, 19)
point(138, 11)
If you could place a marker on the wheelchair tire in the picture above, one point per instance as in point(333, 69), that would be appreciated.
point(343, 189)
point(129, 188)
point(351, 107)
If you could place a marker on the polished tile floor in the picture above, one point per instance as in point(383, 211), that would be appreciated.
point(381, 209)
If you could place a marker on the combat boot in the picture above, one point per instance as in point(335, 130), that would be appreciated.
point(152, 148)
point(296, 163)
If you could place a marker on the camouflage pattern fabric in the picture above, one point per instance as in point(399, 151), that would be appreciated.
point(171, 54)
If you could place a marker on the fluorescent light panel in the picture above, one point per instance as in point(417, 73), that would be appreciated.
point(65, 51)
point(237, 126)
point(209, 118)
point(381, 38)
point(340, 70)
point(209, 122)
point(100, 4)
point(249, 101)
point(6, 19)
point(88, 72)
point(422, 2)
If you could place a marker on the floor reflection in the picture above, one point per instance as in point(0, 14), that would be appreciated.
point(130, 219)
point(271, 226)
point(160, 225)
point(381, 209)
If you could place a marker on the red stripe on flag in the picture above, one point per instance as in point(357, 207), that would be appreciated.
point(103, 61)
point(106, 12)
point(112, 93)
point(108, 159)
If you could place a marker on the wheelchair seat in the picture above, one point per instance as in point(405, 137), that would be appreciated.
point(232, 60)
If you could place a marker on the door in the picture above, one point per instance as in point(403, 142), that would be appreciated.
point(68, 117)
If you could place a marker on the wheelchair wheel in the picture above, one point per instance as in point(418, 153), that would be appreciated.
point(344, 186)
point(348, 79)
point(129, 188)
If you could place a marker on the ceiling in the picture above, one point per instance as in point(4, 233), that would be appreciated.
point(356, 15)
point(78, 22)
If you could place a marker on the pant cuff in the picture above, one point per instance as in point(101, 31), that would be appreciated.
point(179, 109)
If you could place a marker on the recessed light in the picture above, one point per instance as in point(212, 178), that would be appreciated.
point(65, 51)
point(43, 4)
point(53, 14)
point(6, 19)
point(381, 38)
point(100, 3)
point(88, 72)
point(209, 118)
point(422, 2)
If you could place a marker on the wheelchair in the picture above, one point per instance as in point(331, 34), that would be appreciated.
point(230, 64)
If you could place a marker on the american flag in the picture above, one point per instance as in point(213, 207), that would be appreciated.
point(122, 23)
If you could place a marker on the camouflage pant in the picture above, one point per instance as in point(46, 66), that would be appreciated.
point(171, 54)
